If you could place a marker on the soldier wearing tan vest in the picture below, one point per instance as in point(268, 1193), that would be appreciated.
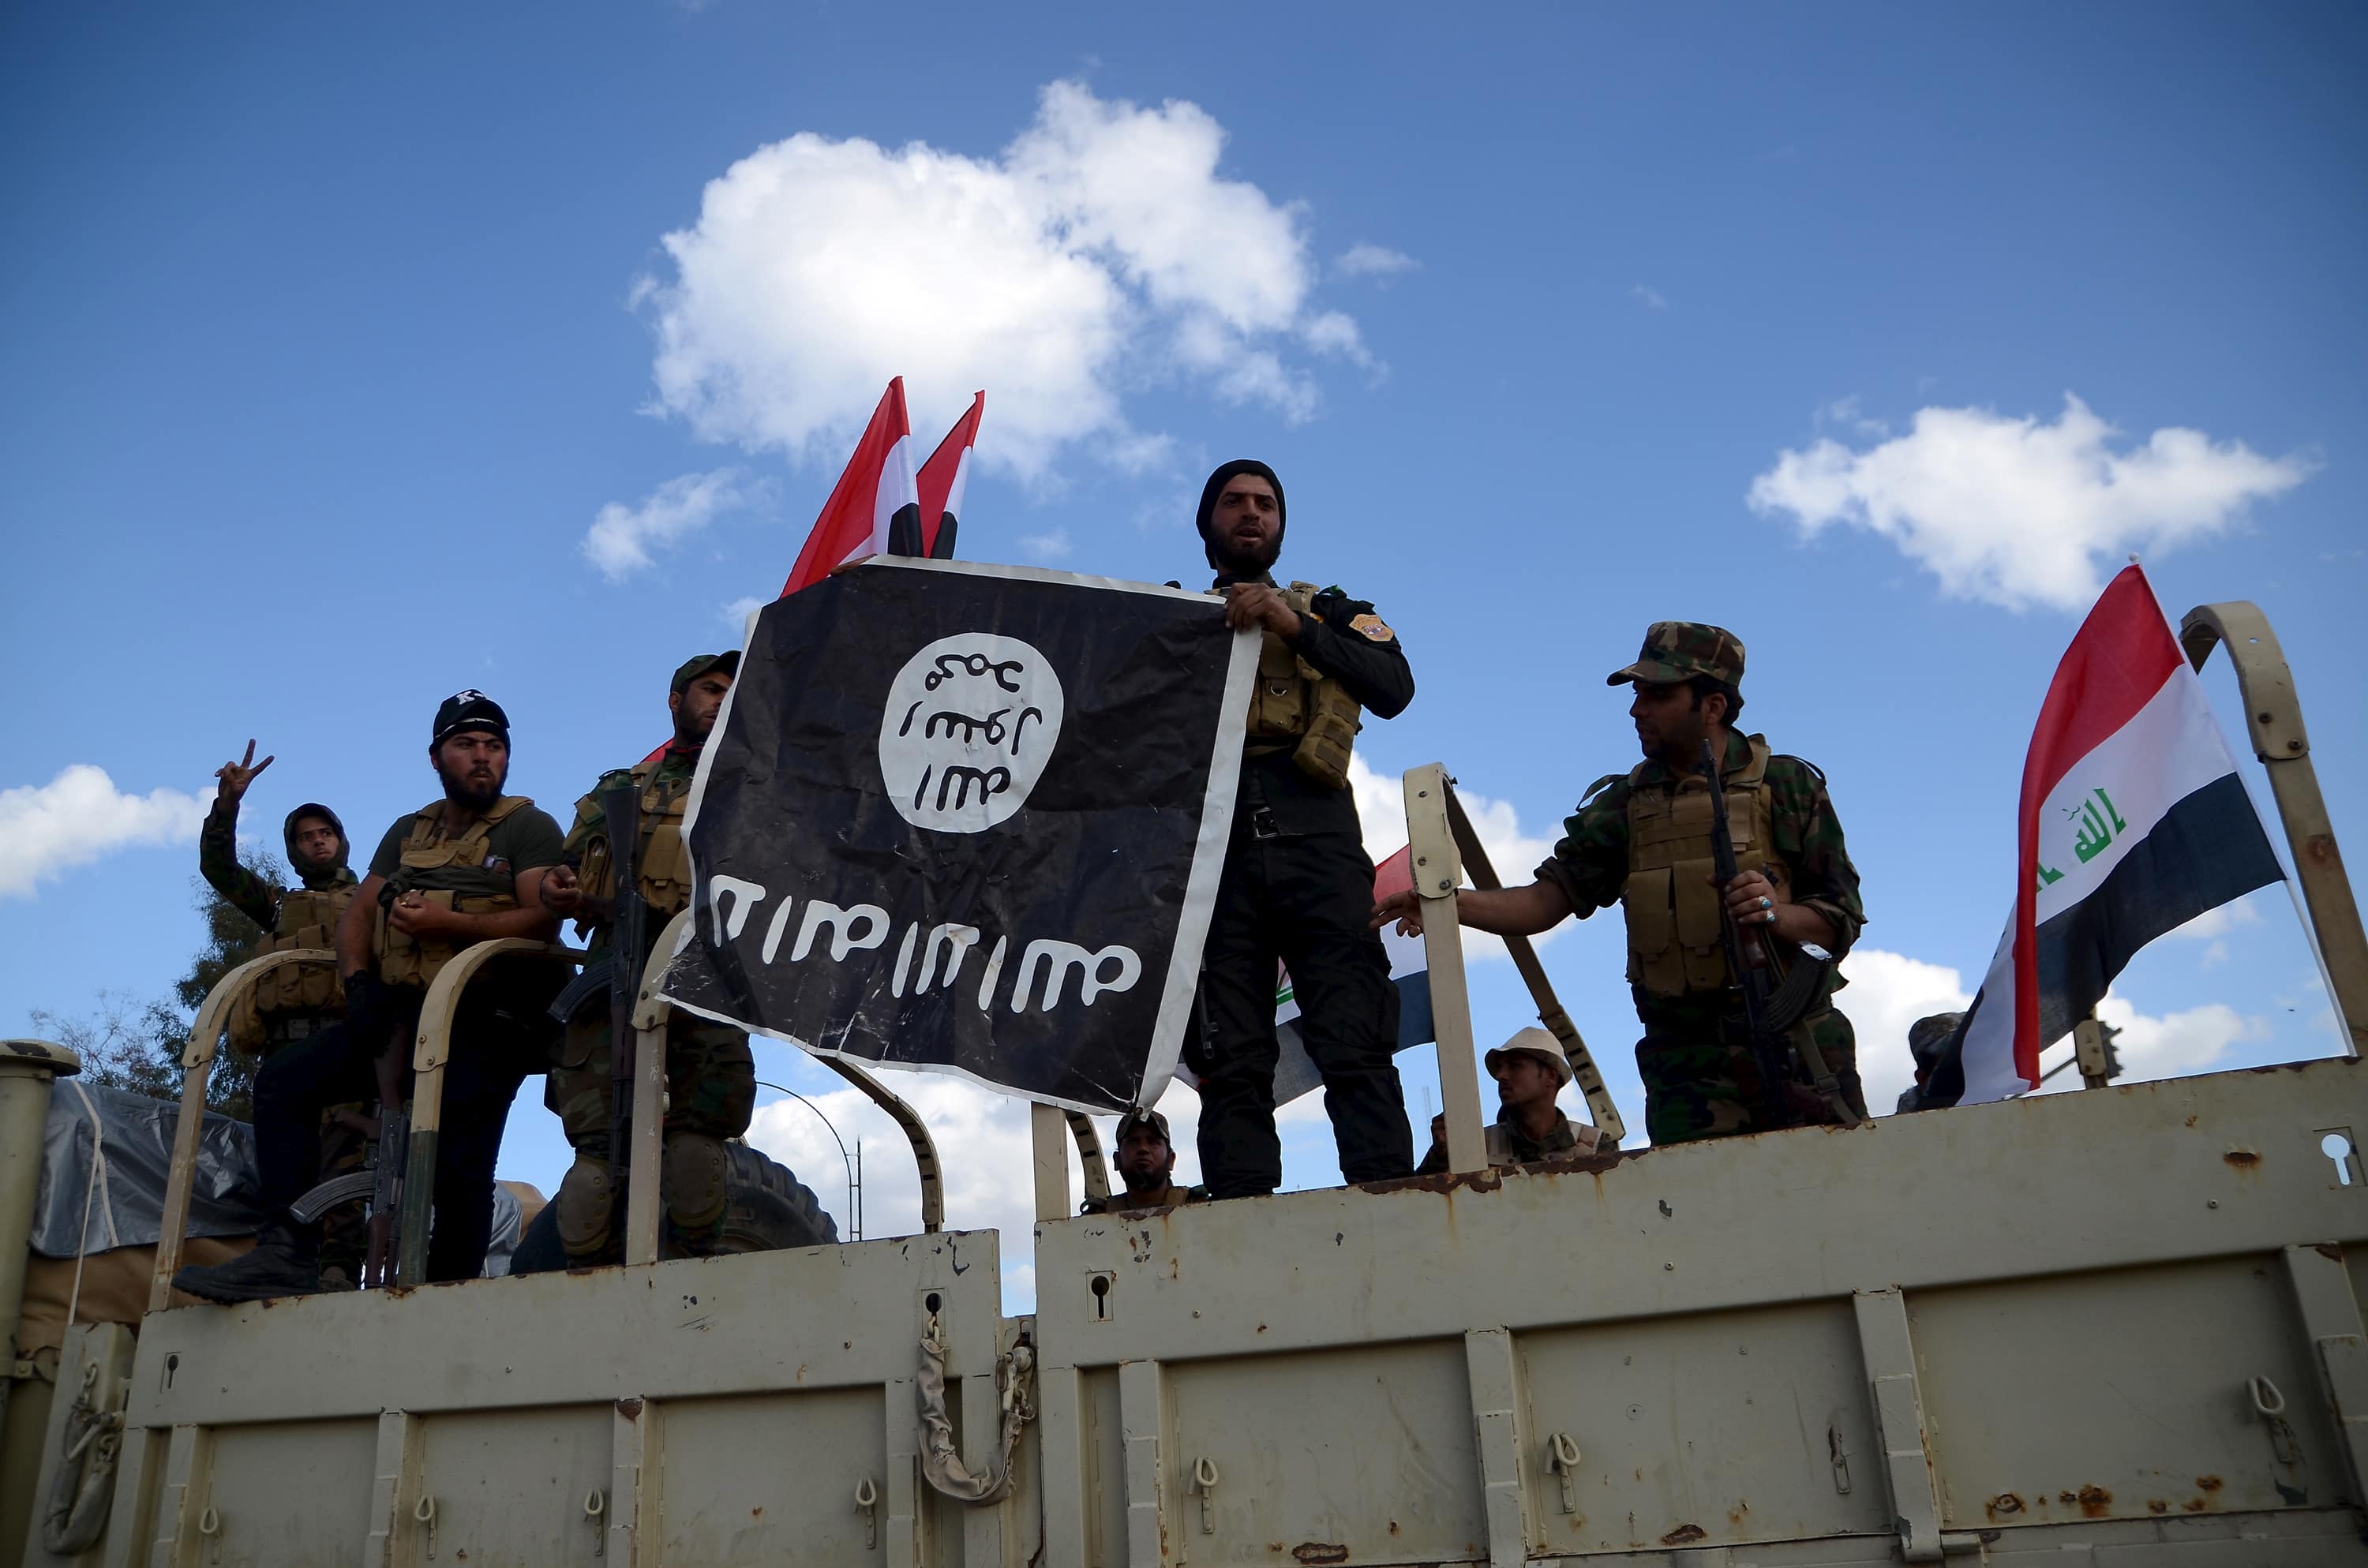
point(1531, 1069)
point(710, 1078)
point(294, 1003)
point(461, 869)
point(1297, 883)
point(1642, 840)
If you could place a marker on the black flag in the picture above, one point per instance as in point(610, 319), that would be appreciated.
point(969, 818)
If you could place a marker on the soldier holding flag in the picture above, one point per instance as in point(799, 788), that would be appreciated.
point(1297, 882)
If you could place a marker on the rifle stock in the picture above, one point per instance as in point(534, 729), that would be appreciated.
point(628, 936)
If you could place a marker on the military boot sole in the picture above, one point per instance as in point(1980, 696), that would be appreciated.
point(226, 1284)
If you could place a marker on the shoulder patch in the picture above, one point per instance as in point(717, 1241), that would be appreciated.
point(1371, 627)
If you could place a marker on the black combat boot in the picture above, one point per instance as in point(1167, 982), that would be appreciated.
point(286, 1262)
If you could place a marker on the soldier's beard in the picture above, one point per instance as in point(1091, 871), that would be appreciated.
point(1141, 1180)
point(469, 794)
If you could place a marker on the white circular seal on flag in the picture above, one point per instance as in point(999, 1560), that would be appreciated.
point(970, 721)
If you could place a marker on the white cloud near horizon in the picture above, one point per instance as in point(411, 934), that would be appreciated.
point(622, 538)
point(49, 829)
point(1888, 992)
point(2019, 512)
point(1069, 270)
point(984, 1156)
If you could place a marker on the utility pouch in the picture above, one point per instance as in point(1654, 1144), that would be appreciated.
point(1323, 753)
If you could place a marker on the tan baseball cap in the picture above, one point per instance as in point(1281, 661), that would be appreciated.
point(1141, 1118)
point(1534, 1041)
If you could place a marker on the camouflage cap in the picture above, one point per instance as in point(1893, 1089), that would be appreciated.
point(1141, 1117)
point(693, 669)
point(1681, 649)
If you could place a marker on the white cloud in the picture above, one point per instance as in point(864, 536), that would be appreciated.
point(621, 537)
point(2172, 1046)
point(1047, 547)
point(983, 1145)
point(49, 829)
point(2019, 512)
point(1373, 261)
point(1101, 251)
point(1651, 299)
point(2216, 922)
point(1887, 993)
point(1512, 852)
point(737, 612)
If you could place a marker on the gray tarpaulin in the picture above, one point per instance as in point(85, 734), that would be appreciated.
point(119, 1201)
point(124, 1204)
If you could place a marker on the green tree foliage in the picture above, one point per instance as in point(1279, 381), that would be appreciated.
point(127, 1044)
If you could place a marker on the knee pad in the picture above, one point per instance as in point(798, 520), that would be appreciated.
point(587, 1200)
point(693, 1181)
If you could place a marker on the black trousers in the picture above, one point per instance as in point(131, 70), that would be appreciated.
point(1305, 901)
point(496, 1043)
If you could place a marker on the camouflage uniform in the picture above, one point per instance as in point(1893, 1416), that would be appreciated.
point(1509, 1145)
point(1701, 1079)
point(710, 1077)
point(345, 1146)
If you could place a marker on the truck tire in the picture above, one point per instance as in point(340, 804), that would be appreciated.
point(767, 1210)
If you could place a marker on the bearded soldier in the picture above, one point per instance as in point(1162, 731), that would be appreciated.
point(710, 1077)
point(294, 1001)
point(461, 869)
point(1642, 840)
point(1297, 884)
point(1145, 1158)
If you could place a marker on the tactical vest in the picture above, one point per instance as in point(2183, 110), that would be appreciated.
point(662, 867)
point(308, 918)
point(1295, 698)
point(404, 959)
point(1675, 945)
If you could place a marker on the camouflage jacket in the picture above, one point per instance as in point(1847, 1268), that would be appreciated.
point(1590, 863)
point(674, 770)
point(218, 862)
point(1120, 1202)
point(1509, 1145)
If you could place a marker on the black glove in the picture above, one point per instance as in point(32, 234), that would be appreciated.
point(367, 1004)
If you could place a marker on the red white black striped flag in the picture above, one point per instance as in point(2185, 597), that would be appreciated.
point(2132, 822)
point(877, 499)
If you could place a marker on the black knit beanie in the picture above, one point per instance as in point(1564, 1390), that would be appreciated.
point(1216, 487)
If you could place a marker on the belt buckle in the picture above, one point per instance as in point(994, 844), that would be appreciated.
point(1263, 824)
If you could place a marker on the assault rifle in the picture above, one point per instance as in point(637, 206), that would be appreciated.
point(381, 1181)
point(628, 936)
point(1771, 1010)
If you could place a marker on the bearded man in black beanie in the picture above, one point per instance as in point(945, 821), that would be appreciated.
point(1297, 884)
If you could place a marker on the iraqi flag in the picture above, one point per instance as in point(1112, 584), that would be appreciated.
point(2134, 822)
point(1295, 1070)
point(943, 479)
point(875, 504)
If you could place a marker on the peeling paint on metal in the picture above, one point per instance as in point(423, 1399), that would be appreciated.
point(1683, 1534)
point(2241, 1159)
point(1314, 1551)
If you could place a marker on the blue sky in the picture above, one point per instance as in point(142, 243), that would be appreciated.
point(331, 332)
